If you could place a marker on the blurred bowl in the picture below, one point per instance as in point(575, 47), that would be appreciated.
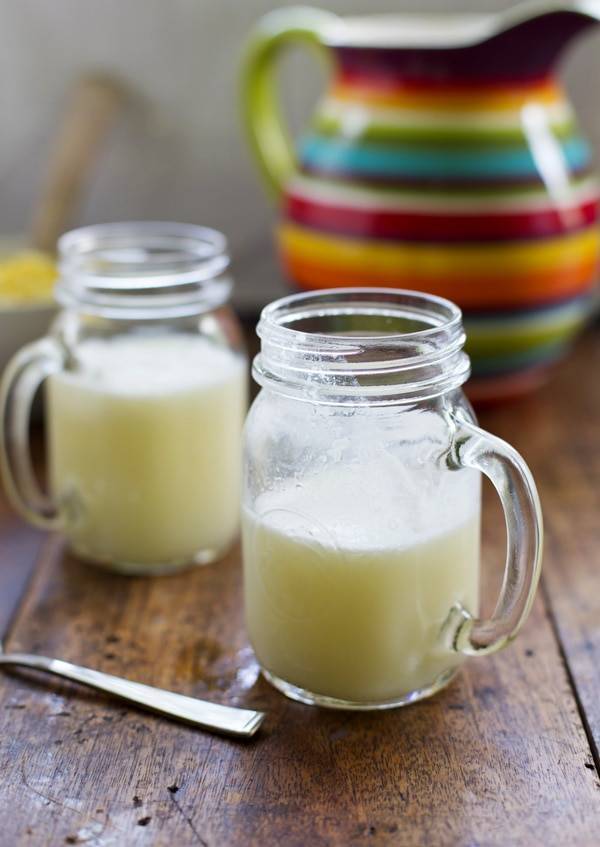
point(21, 324)
point(21, 321)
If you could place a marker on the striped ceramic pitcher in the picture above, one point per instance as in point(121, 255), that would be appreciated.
point(444, 157)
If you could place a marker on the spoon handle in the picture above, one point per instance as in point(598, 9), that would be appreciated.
point(224, 719)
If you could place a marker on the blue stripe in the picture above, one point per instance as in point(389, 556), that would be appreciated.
point(578, 307)
point(326, 154)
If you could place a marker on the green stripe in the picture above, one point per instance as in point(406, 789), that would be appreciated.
point(518, 359)
point(331, 127)
point(459, 192)
point(483, 344)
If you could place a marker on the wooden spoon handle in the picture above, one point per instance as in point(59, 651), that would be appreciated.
point(93, 105)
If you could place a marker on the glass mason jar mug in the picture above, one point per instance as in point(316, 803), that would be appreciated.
point(361, 503)
point(145, 400)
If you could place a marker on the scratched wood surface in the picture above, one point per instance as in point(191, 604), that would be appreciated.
point(559, 433)
point(506, 755)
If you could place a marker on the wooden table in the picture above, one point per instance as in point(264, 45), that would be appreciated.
point(507, 755)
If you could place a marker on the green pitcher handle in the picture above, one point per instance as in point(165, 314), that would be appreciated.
point(269, 137)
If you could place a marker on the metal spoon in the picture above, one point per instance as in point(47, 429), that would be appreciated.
point(223, 719)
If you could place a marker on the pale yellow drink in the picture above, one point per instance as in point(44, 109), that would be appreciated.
point(144, 446)
point(356, 621)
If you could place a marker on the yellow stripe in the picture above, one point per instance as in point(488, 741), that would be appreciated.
point(524, 333)
point(490, 259)
point(489, 100)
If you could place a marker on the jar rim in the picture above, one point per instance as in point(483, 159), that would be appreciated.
point(143, 269)
point(274, 314)
point(384, 345)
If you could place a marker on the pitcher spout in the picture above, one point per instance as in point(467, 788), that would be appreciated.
point(533, 35)
point(522, 42)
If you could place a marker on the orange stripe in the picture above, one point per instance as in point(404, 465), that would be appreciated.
point(513, 290)
point(489, 100)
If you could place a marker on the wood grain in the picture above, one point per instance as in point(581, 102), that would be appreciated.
point(558, 432)
point(500, 758)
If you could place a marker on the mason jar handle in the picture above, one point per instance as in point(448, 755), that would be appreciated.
point(24, 374)
point(268, 135)
point(474, 448)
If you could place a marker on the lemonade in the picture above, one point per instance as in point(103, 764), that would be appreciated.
point(144, 444)
point(352, 610)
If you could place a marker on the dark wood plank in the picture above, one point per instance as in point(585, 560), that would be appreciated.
point(19, 548)
point(499, 758)
point(558, 432)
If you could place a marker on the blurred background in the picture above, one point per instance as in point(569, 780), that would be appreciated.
point(178, 151)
